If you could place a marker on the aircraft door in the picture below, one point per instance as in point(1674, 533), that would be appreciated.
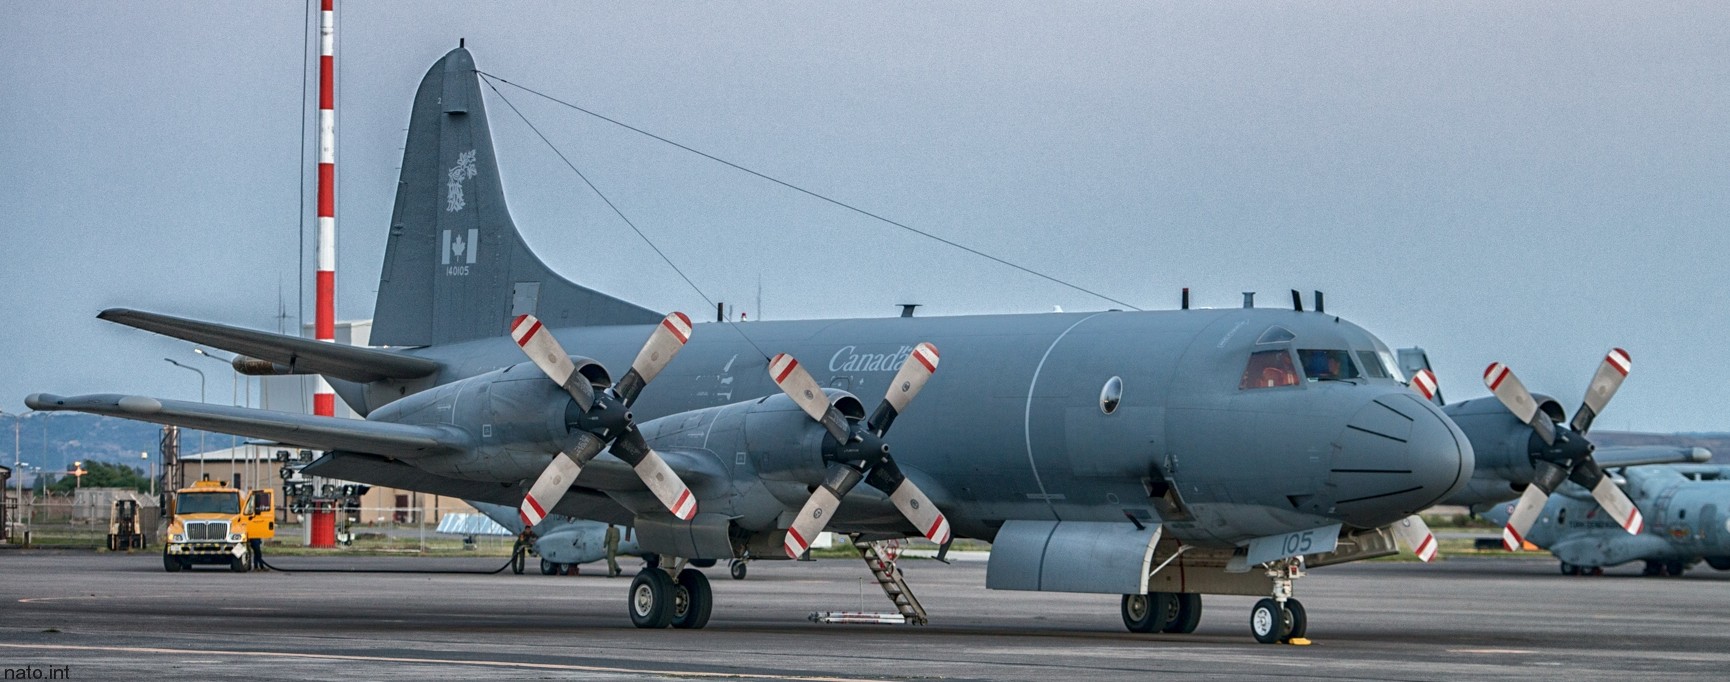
point(1711, 529)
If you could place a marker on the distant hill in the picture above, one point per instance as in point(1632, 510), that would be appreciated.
point(54, 440)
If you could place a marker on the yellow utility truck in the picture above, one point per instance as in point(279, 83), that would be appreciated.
point(212, 522)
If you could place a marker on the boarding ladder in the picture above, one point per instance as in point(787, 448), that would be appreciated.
point(878, 557)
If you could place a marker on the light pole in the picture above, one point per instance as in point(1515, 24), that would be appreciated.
point(200, 399)
point(151, 469)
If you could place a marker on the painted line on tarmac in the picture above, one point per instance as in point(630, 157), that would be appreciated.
point(444, 661)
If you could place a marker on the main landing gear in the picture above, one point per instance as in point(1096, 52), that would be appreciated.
point(1162, 612)
point(659, 598)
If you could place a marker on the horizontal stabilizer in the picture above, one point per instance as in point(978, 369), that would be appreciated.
point(1610, 457)
point(302, 430)
point(300, 355)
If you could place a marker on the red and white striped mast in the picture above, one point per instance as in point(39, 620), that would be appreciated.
point(323, 398)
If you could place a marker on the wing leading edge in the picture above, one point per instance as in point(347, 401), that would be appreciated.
point(321, 433)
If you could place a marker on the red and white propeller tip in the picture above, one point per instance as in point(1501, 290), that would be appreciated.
point(1424, 382)
point(1417, 537)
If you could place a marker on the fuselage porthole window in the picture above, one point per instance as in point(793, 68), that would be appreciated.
point(1111, 395)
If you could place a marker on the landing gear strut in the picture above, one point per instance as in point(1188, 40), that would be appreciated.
point(658, 599)
point(1280, 618)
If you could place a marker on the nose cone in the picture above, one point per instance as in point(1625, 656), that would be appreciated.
point(1397, 455)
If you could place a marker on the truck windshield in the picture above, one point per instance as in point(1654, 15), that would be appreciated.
point(207, 503)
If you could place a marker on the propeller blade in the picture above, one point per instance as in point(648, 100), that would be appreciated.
point(1424, 382)
point(1610, 374)
point(815, 515)
point(915, 371)
point(557, 478)
point(547, 354)
point(1616, 503)
point(1416, 535)
point(798, 385)
point(1518, 400)
point(665, 342)
point(913, 502)
point(661, 479)
point(917, 507)
point(1548, 475)
point(1525, 514)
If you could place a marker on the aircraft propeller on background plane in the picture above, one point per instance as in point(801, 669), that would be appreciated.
point(862, 454)
point(1566, 453)
point(606, 415)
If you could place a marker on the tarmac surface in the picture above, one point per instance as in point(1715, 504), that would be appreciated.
point(106, 616)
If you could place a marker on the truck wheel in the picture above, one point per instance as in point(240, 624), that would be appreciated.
point(171, 563)
point(240, 564)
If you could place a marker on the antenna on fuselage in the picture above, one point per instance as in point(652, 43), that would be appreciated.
point(907, 309)
point(1249, 299)
point(1319, 307)
point(1186, 298)
point(1297, 301)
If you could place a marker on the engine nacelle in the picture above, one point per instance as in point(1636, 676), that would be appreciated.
point(517, 415)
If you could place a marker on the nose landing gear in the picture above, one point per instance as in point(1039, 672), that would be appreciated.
point(1280, 618)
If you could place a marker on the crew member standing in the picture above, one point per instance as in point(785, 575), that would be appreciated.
point(612, 542)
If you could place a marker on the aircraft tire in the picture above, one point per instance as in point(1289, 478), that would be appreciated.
point(171, 563)
point(651, 599)
point(1188, 614)
point(691, 611)
point(1269, 622)
point(1570, 569)
point(1653, 568)
point(1146, 612)
point(1674, 568)
point(737, 569)
point(1299, 624)
point(548, 567)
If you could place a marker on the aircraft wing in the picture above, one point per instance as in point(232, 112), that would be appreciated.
point(320, 433)
point(296, 354)
point(1611, 457)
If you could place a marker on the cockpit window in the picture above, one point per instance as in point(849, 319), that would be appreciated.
point(1372, 365)
point(1269, 369)
point(1327, 365)
point(1393, 367)
point(1275, 334)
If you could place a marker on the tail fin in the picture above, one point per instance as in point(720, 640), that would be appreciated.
point(455, 267)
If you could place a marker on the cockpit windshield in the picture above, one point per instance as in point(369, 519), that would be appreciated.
point(1269, 369)
point(1328, 365)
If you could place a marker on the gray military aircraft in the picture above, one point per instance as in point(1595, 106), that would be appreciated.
point(1156, 455)
point(1686, 505)
point(563, 543)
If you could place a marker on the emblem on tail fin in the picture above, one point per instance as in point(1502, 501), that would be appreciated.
point(464, 170)
point(460, 250)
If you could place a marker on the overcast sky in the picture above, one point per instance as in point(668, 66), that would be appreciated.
point(1525, 182)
